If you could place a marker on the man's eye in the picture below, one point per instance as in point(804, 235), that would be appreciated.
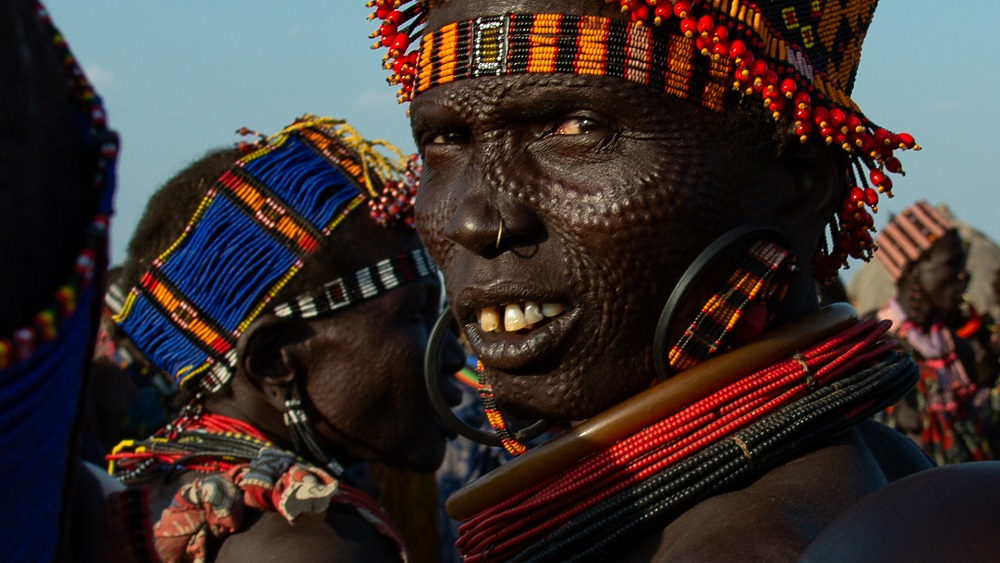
point(576, 126)
point(445, 138)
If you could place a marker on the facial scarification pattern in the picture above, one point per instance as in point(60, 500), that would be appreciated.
point(583, 223)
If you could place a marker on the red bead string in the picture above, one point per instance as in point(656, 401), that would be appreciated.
point(504, 529)
point(395, 204)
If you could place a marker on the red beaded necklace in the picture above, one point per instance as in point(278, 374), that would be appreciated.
point(206, 442)
point(727, 419)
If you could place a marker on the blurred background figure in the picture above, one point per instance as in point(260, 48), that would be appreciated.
point(870, 287)
point(57, 156)
point(923, 255)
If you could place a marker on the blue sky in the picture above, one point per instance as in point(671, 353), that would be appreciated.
point(179, 77)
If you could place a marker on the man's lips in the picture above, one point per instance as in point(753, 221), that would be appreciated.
point(513, 350)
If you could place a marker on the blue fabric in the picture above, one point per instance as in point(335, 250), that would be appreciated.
point(38, 408)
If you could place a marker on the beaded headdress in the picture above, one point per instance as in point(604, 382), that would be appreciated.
point(909, 235)
point(252, 233)
point(798, 58)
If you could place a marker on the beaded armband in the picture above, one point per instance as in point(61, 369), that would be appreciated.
point(797, 57)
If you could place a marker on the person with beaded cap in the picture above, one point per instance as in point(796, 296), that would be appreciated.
point(291, 305)
point(629, 201)
point(924, 257)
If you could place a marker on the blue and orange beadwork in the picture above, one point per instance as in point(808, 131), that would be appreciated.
point(250, 235)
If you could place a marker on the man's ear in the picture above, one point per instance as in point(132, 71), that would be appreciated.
point(819, 174)
point(267, 355)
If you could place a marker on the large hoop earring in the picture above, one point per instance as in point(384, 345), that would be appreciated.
point(689, 280)
point(432, 376)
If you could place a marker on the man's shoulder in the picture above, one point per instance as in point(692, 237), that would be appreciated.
point(944, 514)
point(339, 535)
point(776, 516)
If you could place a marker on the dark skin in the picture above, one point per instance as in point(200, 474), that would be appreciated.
point(376, 413)
point(941, 279)
point(607, 191)
point(585, 224)
point(903, 522)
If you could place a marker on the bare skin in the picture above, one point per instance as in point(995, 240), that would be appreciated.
point(339, 536)
point(607, 191)
point(945, 514)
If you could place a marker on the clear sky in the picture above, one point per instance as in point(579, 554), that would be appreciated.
point(178, 77)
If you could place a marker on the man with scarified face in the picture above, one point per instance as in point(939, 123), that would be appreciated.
point(630, 203)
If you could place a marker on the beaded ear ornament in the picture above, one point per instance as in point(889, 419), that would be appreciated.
point(798, 58)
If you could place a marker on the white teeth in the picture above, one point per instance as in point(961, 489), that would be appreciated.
point(489, 319)
point(516, 317)
point(552, 309)
point(513, 318)
point(532, 312)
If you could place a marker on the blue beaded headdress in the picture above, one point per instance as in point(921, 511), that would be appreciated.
point(248, 238)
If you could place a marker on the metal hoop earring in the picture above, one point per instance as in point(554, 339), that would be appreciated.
point(432, 377)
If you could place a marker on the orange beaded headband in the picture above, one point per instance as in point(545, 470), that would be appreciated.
point(797, 57)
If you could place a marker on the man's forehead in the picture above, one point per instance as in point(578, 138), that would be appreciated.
point(537, 95)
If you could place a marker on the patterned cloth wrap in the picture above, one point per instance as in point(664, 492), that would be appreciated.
point(213, 507)
point(952, 412)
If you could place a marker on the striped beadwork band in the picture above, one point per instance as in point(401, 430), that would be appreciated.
point(366, 283)
point(797, 58)
point(557, 43)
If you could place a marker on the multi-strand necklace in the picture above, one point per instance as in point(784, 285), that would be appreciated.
point(718, 442)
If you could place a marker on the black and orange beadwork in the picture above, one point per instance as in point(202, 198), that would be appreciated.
point(752, 294)
point(799, 58)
